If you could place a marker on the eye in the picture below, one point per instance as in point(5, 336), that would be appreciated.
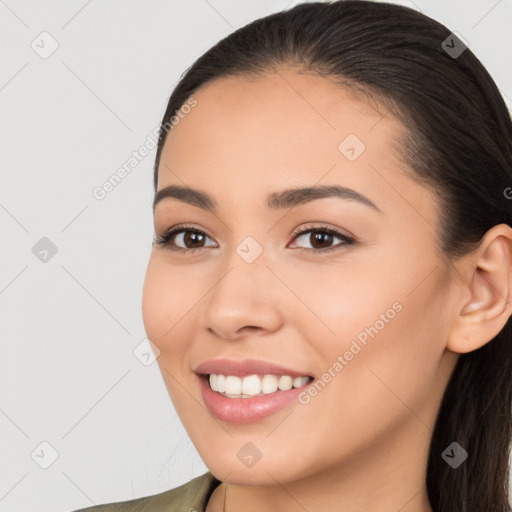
point(190, 235)
point(323, 235)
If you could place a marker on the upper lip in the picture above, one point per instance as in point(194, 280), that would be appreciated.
point(245, 367)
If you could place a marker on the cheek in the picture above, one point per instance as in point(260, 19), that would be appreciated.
point(391, 358)
point(164, 310)
point(169, 294)
point(153, 306)
point(343, 299)
point(166, 300)
point(387, 329)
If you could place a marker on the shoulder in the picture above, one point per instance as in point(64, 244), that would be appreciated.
point(190, 497)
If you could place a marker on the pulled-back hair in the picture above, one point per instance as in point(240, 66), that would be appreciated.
point(457, 141)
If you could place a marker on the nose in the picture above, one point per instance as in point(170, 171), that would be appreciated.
point(245, 299)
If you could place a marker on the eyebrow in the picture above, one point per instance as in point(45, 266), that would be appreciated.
point(275, 201)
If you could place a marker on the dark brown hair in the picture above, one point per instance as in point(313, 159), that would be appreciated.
point(457, 140)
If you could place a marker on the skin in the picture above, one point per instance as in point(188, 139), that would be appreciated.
point(362, 443)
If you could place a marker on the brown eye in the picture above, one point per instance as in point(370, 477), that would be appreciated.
point(321, 238)
point(191, 238)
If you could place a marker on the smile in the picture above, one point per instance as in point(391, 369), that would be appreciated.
point(232, 386)
point(249, 390)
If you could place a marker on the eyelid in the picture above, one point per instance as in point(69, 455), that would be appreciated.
point(349, 240)
point(321, 226)
point(169, 234)
point(165, 238)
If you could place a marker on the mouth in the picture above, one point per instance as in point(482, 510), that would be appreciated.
point(248, 391)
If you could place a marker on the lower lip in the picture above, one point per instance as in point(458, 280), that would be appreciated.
point(246, 410)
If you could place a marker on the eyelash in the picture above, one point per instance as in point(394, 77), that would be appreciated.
point(165, 238)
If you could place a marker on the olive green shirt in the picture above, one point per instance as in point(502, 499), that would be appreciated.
point(190, 497)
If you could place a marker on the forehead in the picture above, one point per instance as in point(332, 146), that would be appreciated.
point(251, 136)
point(284, 109)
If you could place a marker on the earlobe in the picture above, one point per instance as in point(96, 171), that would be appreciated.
point(487, 280)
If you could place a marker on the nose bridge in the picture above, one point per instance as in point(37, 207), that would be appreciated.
point(250, 249)
point(246, 264)
point(249, 241)
point(242, 295)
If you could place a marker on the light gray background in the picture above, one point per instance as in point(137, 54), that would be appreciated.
point(68, 374)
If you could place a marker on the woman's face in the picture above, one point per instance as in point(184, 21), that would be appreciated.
point(367, 320)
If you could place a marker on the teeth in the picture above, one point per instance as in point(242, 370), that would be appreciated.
point(300, 381)
point(233, 385)
point(221, 382)
point(269, 384)
point(285, 383)
point(252, 385)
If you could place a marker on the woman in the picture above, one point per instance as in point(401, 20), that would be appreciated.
point(330, 287)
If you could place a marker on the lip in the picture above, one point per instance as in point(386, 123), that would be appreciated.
point(245, 367)
point(246, 410)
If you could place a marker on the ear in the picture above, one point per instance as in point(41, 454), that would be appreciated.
point(486, 292)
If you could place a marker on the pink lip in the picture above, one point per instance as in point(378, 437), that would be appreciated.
point(245, 410)
point(245, 367)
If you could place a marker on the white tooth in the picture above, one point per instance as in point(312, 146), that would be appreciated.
point(300, 381)
point(221, 383)
point(269, 384)
point(213, 382)
point(251, 385)
point(297, 382)
point(285, 383)
point(233, 385)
